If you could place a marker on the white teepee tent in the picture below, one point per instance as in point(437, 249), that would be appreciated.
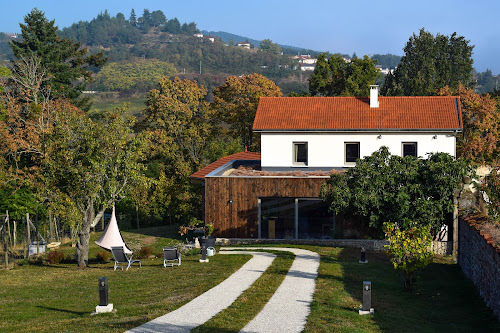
point(112, 236)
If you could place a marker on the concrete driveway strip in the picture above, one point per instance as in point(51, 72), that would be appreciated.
point(287, 310)
point(207, 305)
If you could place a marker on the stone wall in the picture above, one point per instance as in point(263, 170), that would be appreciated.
point(480, 262)
point(368, 244)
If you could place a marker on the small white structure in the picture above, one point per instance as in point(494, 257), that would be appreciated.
point(112, 236)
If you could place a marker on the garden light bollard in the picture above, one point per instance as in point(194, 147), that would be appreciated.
point(103, 291)
point(104, 306)
point(367, 299)
point(363, 260)
point(204, 253)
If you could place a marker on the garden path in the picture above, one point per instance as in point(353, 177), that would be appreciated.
point(208, 304)
point(286, 311)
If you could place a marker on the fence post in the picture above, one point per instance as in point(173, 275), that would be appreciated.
point(5, 243)
point(15, 232)
point(28, 238)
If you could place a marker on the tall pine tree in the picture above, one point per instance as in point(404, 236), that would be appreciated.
point(431, 63)
point(65, 61)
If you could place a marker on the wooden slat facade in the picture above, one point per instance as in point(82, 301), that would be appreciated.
point(231, 202)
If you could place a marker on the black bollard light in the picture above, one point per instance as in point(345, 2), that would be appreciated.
point(363, 260)
point(104, 306)
point(367, 299)
point(103, 291)
point(204, 253)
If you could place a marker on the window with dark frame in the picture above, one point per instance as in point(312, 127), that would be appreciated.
point(300, 153)
point(409, 149)
point(351, 152)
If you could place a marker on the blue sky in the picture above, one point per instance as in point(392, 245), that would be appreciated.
point(364, 27)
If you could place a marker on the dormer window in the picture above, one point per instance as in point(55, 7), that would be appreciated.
point(300, 153)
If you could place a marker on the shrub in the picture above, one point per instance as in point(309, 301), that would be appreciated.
point(55, 257)
point(102, 256)
point(409, 250)
point(491, 187)
point(144, 253)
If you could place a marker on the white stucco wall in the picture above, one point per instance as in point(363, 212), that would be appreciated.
point(327, 149)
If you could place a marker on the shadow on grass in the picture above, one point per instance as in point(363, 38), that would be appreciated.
point(168, 231)
point(443, 300)
point(78, 313)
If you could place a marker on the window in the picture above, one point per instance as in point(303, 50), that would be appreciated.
point(300, 153)
point(409, 149)
point(351, 152)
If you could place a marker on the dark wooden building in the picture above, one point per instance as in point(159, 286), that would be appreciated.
point(242, 202)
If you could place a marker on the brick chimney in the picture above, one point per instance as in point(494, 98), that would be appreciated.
point(374, 96)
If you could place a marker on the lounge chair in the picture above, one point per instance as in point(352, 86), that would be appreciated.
point(171, 257)
point(121, 258)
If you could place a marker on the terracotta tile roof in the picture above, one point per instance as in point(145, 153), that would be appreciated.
point(245, 155)
point(354, 113)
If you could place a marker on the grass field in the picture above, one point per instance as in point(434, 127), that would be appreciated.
point(59, 298)
point(134, 104)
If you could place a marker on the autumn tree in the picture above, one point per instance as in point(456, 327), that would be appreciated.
point(430, 63)
point(237, 100)
point(66, 62)
point(333, 76)
point(480, 138)
point(181, 127)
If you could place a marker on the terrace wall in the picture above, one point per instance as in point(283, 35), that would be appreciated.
point(480, 262)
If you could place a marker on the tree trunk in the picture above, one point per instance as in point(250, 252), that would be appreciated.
point(82, 246)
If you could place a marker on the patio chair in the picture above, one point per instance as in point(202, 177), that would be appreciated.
point(121, 258)
point(171, 257)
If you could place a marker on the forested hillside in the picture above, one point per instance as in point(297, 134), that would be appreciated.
point(153, 36)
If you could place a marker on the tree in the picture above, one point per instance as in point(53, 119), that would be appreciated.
point(430, 63)
point(269, 46)
point(480, 138)
point(181, 128)
point(409, 250)
point(133, 18)
point(173, 26)
point(333, 76)
point(92, 164)
point(237, 100)
point(486, 82)
point(158, 18)
point(65, 61)
point(384, 188)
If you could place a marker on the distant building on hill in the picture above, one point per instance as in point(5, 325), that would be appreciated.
point(245, 45)
point(307, 63)
point(11, 35)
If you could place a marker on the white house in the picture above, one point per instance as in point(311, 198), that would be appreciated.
point(332, 132)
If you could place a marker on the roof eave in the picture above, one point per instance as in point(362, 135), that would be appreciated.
point(285, 130)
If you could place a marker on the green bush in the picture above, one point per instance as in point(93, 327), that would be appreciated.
point(55, 257)
point(409, 250)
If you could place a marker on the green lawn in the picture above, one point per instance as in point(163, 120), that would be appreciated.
point(59, 298)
